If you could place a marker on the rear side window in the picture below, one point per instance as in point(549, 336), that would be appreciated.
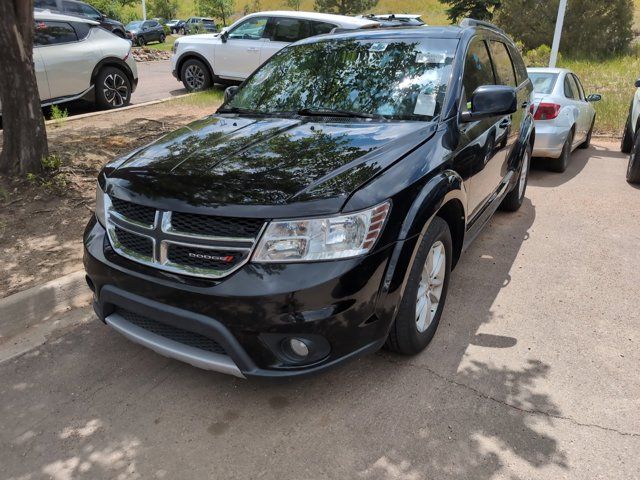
point(53, 33)
point(502, 62)
point(318, 28)
point(48, 4)
point(578, 85)
point(288, 29)
point(569, 89)
point(82, 29)
point(477, 68)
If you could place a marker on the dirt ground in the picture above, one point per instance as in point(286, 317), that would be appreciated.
point(41, 220)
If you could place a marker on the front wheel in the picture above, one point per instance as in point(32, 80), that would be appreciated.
point(633, 169)
point(425, 294)
point(513, 200)
point(627, 137)
point(195, 75)
point(113, 88)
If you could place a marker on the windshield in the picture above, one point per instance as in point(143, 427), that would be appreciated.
point(131, 25)
point(398, 79)
point(543, 82)
point(207, 22)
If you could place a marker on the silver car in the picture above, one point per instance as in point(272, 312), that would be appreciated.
point(564, 116)
point(76, 59)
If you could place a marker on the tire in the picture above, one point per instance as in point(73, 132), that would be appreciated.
point(587, 141)
point(141, 42)
point(162, 38)
point(633, 169)
point(513, 201)
point(627, 137)
point(182, 31)
point(411, 332)
point(561, 164)
point(113, 88)
point(195, 75)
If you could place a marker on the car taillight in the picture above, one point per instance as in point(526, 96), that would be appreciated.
point(546, 111)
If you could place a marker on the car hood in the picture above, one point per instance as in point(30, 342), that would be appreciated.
point(275, 166)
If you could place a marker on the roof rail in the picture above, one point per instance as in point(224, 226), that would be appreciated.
point(472, 22)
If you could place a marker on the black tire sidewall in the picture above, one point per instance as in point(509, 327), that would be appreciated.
point(563, 162)
point(406, 337)
point(208, 81)
point(513, 200)
point(633, 168)
point(101, 100)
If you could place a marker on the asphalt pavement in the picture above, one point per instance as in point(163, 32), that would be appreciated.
point(533, 374)
point(156, 82)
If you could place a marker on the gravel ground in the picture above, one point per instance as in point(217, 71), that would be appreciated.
point(533, 374)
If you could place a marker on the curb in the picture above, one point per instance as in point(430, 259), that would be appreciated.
point(105, 112)
point(27, 308)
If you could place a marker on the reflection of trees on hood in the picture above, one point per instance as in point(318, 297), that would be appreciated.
point(350, 75)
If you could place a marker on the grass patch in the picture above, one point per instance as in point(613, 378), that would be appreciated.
point(212, 97)
point(59, 114)
point(166, 46)
point(614, 80)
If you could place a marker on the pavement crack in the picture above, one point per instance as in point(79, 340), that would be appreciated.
point(504, 403)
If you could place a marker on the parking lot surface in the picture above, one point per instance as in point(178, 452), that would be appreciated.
point(155, 82)
point(533, 374)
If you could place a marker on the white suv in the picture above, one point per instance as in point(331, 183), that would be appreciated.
point(76, 59)
point(233, 54)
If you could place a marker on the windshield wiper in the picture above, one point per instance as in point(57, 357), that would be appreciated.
point(237, 110)
point(330, 112)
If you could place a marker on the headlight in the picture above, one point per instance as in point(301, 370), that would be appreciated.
point(100, 210)
point(315, 239)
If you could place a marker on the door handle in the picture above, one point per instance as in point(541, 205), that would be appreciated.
point(525, 104)
point(252, 49)
point(505, 123)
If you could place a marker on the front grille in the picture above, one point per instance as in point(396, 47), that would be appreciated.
point(189, 244)
point(203, 257)
point(216, 226)
point(134, 243)
point(179, 335)
point(133, 211)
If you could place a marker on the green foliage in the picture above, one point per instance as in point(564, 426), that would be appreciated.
point(221, 9)
point(112, 8)
point(52, 179)
point(478, 9)
point(166, 9)
point(539, 57)
point(254, 6)
point(59, 114)
point(344, 7)
point(51, 163)
point(294, 4)
point(592, 28)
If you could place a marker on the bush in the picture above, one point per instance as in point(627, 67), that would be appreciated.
point(539, 57)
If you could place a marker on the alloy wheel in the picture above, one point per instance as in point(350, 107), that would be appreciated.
point(430, 287)
point(194, 77)
point(115, 89)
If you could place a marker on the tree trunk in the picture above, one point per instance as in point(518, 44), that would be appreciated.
point(24, 136)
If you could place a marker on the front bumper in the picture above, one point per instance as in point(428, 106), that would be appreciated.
point(339, 306)
point(550, 139)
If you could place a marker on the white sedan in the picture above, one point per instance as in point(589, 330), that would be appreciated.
point(564, 116)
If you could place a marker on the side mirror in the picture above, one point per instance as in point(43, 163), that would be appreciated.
point(594, 97)
point(491, 101)
point(224, 35)
point(230, 92)
point(637, 84)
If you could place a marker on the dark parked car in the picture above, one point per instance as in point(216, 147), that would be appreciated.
point(142, 32)
point(175, 26)
point(81, 9)
point(319, 213)
point(198, 25)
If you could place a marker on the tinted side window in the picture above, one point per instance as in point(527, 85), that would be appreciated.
point(502, 62)
point(90, 12)
point(518, 63)
point(580, 90)
point(82, 29)
point(318, 28)
point(48, 4)
point(289, 30)
point(477, 68)
point(53, 33)
point(568, 88)
point(72, 8)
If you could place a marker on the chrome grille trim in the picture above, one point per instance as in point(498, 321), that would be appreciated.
point(163, 236)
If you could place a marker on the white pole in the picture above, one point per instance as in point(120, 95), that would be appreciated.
point(556, 36)
point(144, 10)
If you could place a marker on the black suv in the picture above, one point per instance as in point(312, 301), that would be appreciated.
point(319, 213)
point(84, 10)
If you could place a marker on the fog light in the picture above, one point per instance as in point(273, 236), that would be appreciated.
point(298, 347)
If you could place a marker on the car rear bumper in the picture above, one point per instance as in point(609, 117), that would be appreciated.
point(550, 139)
point(240, 325)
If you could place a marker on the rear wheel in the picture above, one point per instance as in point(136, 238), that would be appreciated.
point(162, 38)
point(425, 294)
point(513, 200)
point(140, 41)
point(195, 75)
point(627, 137)
point(561, 164)
point(633, 169)
point(113, 88)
